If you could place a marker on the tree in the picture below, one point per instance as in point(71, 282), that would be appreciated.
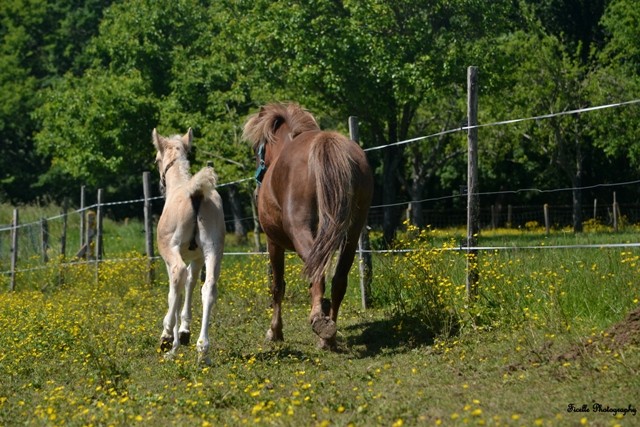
point(616, 78)
point(96, 130)
point(551, 81)
point(40, 41)
point(379, 60)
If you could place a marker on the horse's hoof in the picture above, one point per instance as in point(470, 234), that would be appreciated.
point(184, 338)
point(274, 337)
point(166, 344)
point(328, 344)
point(204, 359)
point(324, 327)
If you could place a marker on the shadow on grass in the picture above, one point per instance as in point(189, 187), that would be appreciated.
point(397, 334)
point(274, 351)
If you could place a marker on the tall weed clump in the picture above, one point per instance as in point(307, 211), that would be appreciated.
point(415, 283)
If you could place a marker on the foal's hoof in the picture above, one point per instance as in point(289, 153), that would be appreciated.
point(166, 344)
point(184, 337)
point(324, 327)
point(204, 359)
point(272, 336)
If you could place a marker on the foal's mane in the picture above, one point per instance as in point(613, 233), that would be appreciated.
point(262, 126)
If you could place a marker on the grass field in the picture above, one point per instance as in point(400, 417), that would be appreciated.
point(546, 341)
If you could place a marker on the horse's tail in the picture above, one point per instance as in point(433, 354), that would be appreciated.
point(203, 182)
point(199, 186)
point(334, 173)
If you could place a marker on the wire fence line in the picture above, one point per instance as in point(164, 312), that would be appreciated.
point(34, 240)
point(421, 138)
point(460, 249)
point(506, 122)
point(9, 227)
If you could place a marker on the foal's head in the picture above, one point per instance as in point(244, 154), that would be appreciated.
point(170, 150)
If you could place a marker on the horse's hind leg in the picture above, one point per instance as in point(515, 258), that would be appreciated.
point(177, 275)
point(338, 290)
point(209, 293)
point(321, 323)
point(276, 257)
point(184, 332)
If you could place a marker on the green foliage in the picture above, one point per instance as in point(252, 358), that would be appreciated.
point(95, 128)
point(84, 83)
point(423, 289)
point(41, 41)
point(616, 77)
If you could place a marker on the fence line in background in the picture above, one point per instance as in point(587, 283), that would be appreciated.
point(472, 194)
point(461, 249)
point(93, 235)
point(505, 122)
point(65, 212)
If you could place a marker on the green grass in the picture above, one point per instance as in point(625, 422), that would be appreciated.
point(85, 353)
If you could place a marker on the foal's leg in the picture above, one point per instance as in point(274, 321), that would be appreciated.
point(177, 276)
point(193, 270)
point(209, 293)
point(276, 257)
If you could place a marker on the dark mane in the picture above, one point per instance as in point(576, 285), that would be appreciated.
point(263, 125)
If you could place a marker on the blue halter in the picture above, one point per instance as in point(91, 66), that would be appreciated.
point(262, 167)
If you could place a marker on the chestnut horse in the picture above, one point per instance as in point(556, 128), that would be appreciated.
point(314, 192)
point(191, 235)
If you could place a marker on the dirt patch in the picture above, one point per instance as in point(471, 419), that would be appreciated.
point(621, 334)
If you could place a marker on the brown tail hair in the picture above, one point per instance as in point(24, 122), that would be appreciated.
point(334, 173)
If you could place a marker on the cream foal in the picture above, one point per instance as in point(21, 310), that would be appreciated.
point(191, 235)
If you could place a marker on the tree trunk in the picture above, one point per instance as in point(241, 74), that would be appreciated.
point(238, 213)
point(389, 192)
point(577, 192)
point(418, 182)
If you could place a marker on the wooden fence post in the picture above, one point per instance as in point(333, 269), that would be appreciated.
point(365, 264)
point(547, 225)
point(615, 212)
point(148, 225)
point(82, 213)
point(44, 238)
point(98, 238)
point(14, 249)
point(63, 238)
point(473, 200)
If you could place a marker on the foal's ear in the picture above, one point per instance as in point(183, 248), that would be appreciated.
point(156, 139)
point(187, 139)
